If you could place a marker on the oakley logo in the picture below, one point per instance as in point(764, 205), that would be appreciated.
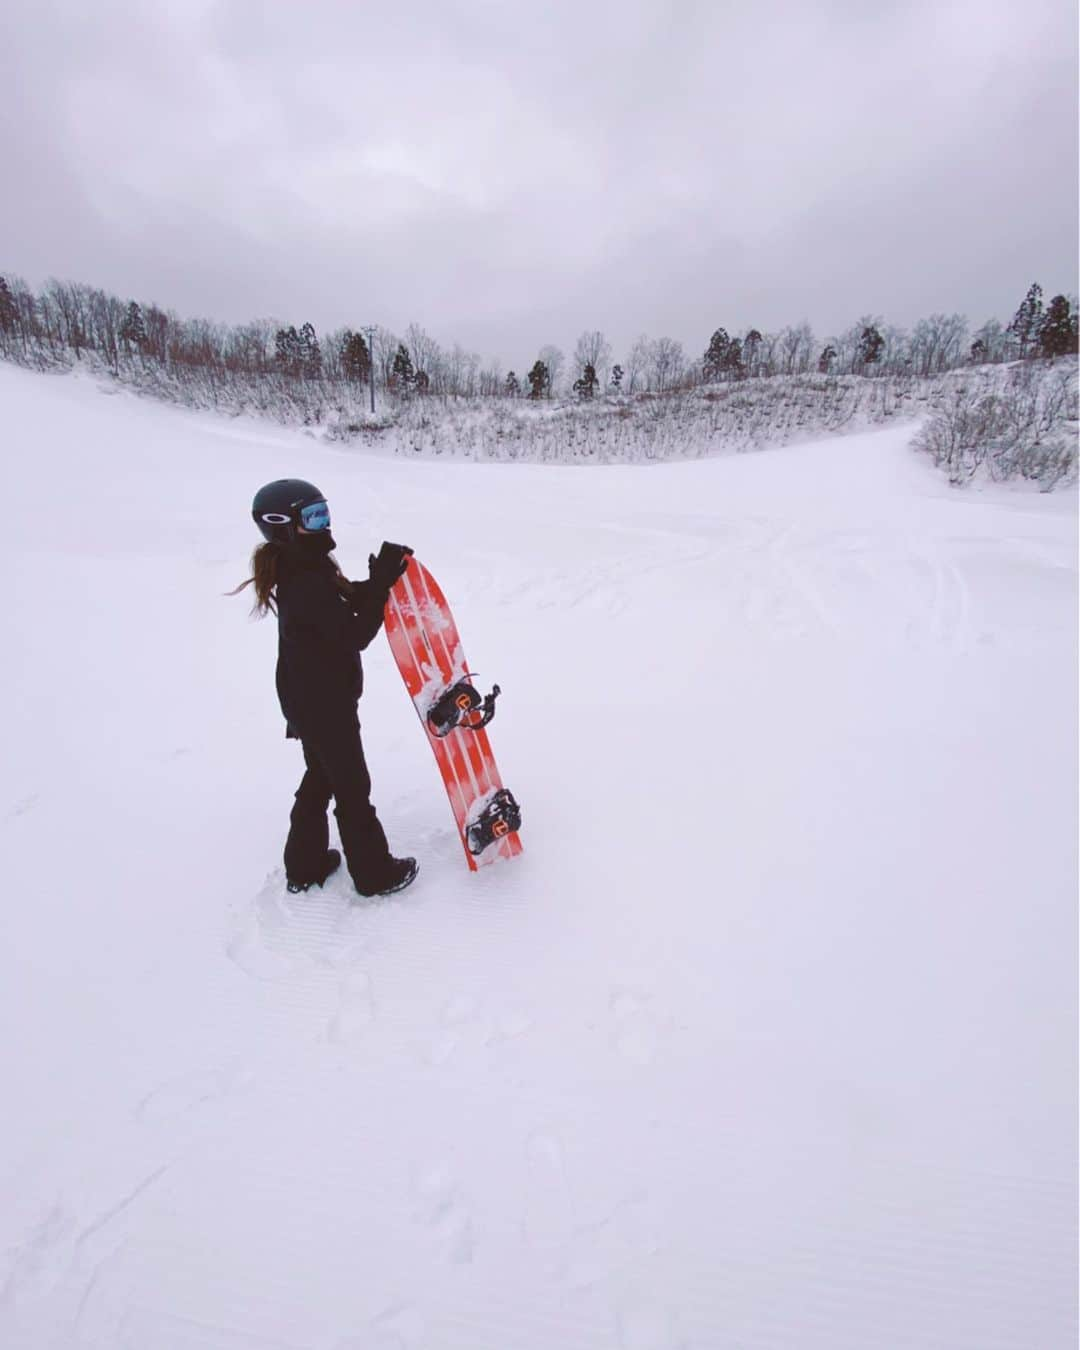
point(276, 518)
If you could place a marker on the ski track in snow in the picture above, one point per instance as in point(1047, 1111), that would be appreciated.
point(765, 1041)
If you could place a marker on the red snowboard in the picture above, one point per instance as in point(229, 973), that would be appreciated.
point(427, 649)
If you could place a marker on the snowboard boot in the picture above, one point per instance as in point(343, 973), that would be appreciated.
point(330, 865)
point(399, 873)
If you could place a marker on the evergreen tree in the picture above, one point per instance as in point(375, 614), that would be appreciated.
point(309, 353)
point(978, 352)
point(733, 360)
point(402, 369)
point(9, 315)
point(585, 387)
point(512, 386)
point(616, 378)
point(539, 380)
point(716, 357)
point(133, 330)
point(355, 357)
point(1057, 334)
point(287, 351)
point(751, 346)
point(1028, 319)
point(871, 345)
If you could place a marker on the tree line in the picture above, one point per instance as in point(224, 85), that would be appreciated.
point(67, 319)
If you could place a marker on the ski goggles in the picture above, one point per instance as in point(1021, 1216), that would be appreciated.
point(315, 517)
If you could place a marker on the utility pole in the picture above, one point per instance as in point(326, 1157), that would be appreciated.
point(371, 362)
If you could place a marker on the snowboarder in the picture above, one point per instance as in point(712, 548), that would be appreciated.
point(324, 622)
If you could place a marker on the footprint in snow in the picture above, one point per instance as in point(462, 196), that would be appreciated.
point(142, 1328)
point(24, 805)
point(643, 1324)
point(183, 1094)
point(548, 1217)
point(355, 1010)
point(635, 1035)
point(510, 1026)
point(318, 929)
point(398, 1328)
point(251, 946)
point(35, 1262)
point(439, 1209)
point(581, 1252)
point(459, 1020)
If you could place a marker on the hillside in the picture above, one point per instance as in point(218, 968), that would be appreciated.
point(767, 1040)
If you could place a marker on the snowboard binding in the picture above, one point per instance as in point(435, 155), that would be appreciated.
point(461, 706)
point(500, 817)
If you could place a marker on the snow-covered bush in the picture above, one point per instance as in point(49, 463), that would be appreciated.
point(682, 424)
point(1017, 421)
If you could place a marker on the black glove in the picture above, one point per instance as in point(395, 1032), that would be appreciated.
point(392, 561)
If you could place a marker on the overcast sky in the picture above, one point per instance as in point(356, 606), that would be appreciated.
point(509, 175)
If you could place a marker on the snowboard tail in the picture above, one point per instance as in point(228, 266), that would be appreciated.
point(424, 639)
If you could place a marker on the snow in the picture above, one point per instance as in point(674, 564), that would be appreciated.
point(767, 1040)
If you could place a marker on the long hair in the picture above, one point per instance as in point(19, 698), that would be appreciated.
point(264, 569)
point(264, 575)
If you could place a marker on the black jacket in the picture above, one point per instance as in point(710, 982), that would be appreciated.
point(321, 633)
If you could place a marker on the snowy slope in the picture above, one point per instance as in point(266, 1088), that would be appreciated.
point(767, 1040)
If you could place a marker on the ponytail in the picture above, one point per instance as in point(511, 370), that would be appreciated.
point(264, 569)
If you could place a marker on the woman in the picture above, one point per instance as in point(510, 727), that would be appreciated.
point(324, 622)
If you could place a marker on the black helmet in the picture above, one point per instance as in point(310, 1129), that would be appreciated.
point(277, 506)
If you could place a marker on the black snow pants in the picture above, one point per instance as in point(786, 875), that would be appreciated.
point(336, 768)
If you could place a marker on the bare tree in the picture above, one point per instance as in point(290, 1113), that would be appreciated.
point(26, 319)
point(386, 346)
point(668, 363)
point(553, 358)
point(990, 343)
point(796, 346)
point(111, 326)
point(157, 334)
point(637, 363)
point(471, 374)
point(594, 350)
point(752, 344)
point(936, 343)
point(895, 354)
point(70, 304)
point(769, 355)
point(425, 354)
point(491, 380)
point(455, 370)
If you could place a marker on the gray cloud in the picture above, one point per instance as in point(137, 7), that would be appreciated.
point(508, 176)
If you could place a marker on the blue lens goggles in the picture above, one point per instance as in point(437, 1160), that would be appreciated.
point(315, 517)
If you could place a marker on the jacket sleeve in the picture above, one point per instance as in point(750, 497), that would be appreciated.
point(349, 624)
point(368, 607)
